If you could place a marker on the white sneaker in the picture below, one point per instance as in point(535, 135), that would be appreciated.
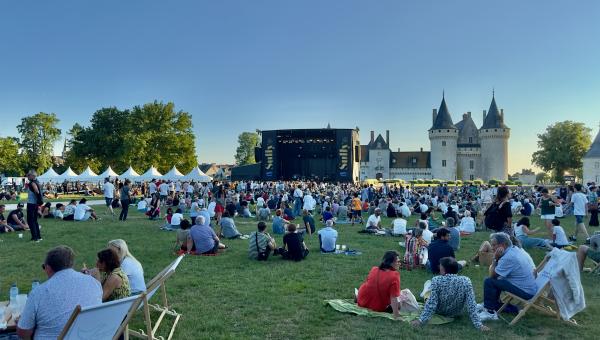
point(487, 316)
point(480, 307)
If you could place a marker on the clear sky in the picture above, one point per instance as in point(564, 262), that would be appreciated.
point(241, 65)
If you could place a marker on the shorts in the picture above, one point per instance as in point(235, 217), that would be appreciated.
point(593, 254)
point(547, 217)
point(108, 201)
point(578, 219)
point(356, 213)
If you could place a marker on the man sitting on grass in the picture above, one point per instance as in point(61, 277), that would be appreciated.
point(440, 248)
point(15, 219)
point(83, 212)
point(4, 227)
point(328, 238)
point(451, 295)
point(593, 251)
point(203, 239)
point(374, 223)
point(260, 243)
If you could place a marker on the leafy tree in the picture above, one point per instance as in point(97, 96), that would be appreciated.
point(562, 147)
point(38, 135)
point(10, 160)
point(244, 154)
point(542, 178)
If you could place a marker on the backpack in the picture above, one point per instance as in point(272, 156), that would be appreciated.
point(492, 218)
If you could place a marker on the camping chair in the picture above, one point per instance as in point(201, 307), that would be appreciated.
point(156, 284)
point(103, 321)
point(540, 301)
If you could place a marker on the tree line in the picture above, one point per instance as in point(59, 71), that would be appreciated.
point(150, 134)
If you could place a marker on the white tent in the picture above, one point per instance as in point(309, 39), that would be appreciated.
point(88, 175)
point(173, 175)
point(129, 174)
point(68, 175)
point(48, 176)
point(197, 175)
point(150, 174)
point(108, 173)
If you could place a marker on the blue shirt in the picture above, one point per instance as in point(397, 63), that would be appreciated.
point(328, 237)
point(454, 241)
point(204, 238)
point(514, 267)
point(278, 225)
point(206, 215)
point(327, 215)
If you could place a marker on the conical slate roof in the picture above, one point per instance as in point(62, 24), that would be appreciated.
point(594, 151)
point(443, 119)
point(493, 120)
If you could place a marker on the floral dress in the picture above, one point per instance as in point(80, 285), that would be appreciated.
point(121, 292)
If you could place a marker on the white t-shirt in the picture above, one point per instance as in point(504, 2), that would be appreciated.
point(423, 208)
point(260, 202)
point(109, 190)
point(373, 221)
point(399, 226)
point(405, 210)
point(176, 219)
point(152, 188)
point(80, 211)
point(135, 274)
point(142, 204)
point(211, 208)
point(467, 224)
point(561, 237)
point(579, 202)
point(164, 189)
point(427, 235)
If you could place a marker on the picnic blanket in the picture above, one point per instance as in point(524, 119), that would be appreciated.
point(349, 306)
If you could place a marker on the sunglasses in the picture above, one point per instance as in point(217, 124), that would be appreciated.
point(43, 266)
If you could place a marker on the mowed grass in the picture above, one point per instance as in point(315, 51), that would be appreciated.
point(230, 296)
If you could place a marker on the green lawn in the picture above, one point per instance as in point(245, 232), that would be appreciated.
point(229, 296)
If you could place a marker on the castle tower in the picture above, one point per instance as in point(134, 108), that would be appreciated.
point(493, 137)
point(443, 136)
point(469, 149)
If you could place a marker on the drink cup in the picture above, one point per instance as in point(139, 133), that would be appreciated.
point(20, 235)
point(337, 247)
point(343, 247)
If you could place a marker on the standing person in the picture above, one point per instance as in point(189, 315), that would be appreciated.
point(34, 199)
point(297, 200)
point(547, 203)
point(109, 195)
point(580, 206)
point(500, 213)
point(356, 209)
point(125, 199)
point(593, 207)
point(163, 190)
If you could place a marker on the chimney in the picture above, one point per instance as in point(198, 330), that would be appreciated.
point(502, 115)
point(434, 115)
point(484, 116)
point(465, 116)
point(421, 149)
point(387, 137)
point(469, 114)
point(398, 149)
point(372, 136)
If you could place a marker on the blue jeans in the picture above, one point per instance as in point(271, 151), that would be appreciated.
point(530, 242)
point(492, 289)
point(297, 206)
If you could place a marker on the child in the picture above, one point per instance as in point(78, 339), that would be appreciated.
point(168, 217)
point(559, 238)
point(182, 237)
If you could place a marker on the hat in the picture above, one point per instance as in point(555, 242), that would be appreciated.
point(20, 205)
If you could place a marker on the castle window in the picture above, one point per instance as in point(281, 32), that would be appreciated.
point(495, 130)
point(471, 164)
point(443, 143)
point(470, 140)
point(597, 165)
point(443, 163)
point(414, 160)
point(471, 177)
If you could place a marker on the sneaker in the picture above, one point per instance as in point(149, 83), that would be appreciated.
point(480, 307)
point(487, 316)
point(573, 238)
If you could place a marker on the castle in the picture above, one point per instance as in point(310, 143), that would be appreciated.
point(459, 151)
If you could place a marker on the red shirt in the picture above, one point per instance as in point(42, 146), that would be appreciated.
point(380, 286)
point(219, 208)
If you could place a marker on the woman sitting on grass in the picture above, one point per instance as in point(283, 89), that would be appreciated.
point(522, 233)
point(46, 210)
point(416, 248)
point(381, 290)
point(153, 211)
point(228, 228)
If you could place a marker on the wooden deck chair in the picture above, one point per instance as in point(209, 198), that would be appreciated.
point(540, 301)
point(156, 284)
point(104, 321)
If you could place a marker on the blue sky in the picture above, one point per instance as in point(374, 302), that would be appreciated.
point(241, 65)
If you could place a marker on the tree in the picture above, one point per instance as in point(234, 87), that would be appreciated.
point(38, 135)
point(244, 154)
point(10, 160)
point(562, 147)
point(542, 178)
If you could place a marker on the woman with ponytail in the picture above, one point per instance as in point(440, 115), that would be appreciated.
point(381, 290)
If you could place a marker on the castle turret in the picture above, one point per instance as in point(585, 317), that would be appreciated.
point(493, 137)
point(443, 136)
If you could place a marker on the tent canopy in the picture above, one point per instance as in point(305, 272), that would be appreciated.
point(88, 175)
point(173, 174)
point(48, 176)
point(197, 175)
point(150, 174)
point(129, 174)
point(108, 173)
point(68, 175)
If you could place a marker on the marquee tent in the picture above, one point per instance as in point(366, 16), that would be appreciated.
point(129, 174)
point(108, 173)
point(173, 175)
point(48, 176)
point(68, 175)
point(197, 175)
point(88, 175)
point(149, 175)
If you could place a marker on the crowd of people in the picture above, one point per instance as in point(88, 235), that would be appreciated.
point(295, 209)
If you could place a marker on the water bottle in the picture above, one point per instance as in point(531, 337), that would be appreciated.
point(34, 284)
point(14, 291)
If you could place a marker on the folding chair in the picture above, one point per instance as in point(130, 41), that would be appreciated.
point(103, 321)
point(540, 301)
point(156, 284)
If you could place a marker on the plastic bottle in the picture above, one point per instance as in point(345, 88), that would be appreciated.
point(14, 291)
point(34, 284)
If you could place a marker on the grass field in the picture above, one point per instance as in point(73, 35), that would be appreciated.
point(230, 296)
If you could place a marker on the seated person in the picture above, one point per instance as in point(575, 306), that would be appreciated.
point(451, 295)
point(59, 211)
point(195, 209)
point(423, 218)
point(168, 218)
point(522, 233)
point(399, 226)
point(404, 210)
point(427, 234)
point(391, 210)
point(593, 251)
point(328, 238)
point(142, 206)
point(451, 213)
point(83, 212)
point(245, 211)
point(454, 233)
point(327, 215)
point(288, 213)
point(69, 212)
point(559, 237)
point(293, 245)
point(279, 224)
point(309, 222)
point(467, 223)
point(228, 228)
point(4, 227)
point(203, 239)
point(183, 234)
point(527, 208)
point(176, 219)
point(50, 306)
point(374, 222)
point(153, 211)
point(15, 219)
point(46, 210)
point(342, 214)
point(381, 289)
point(416, 249)
point(263, 213)
point(260, 243)
point(130, 266)
point(511, 272)
point(438, 249)
point(115, 284)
